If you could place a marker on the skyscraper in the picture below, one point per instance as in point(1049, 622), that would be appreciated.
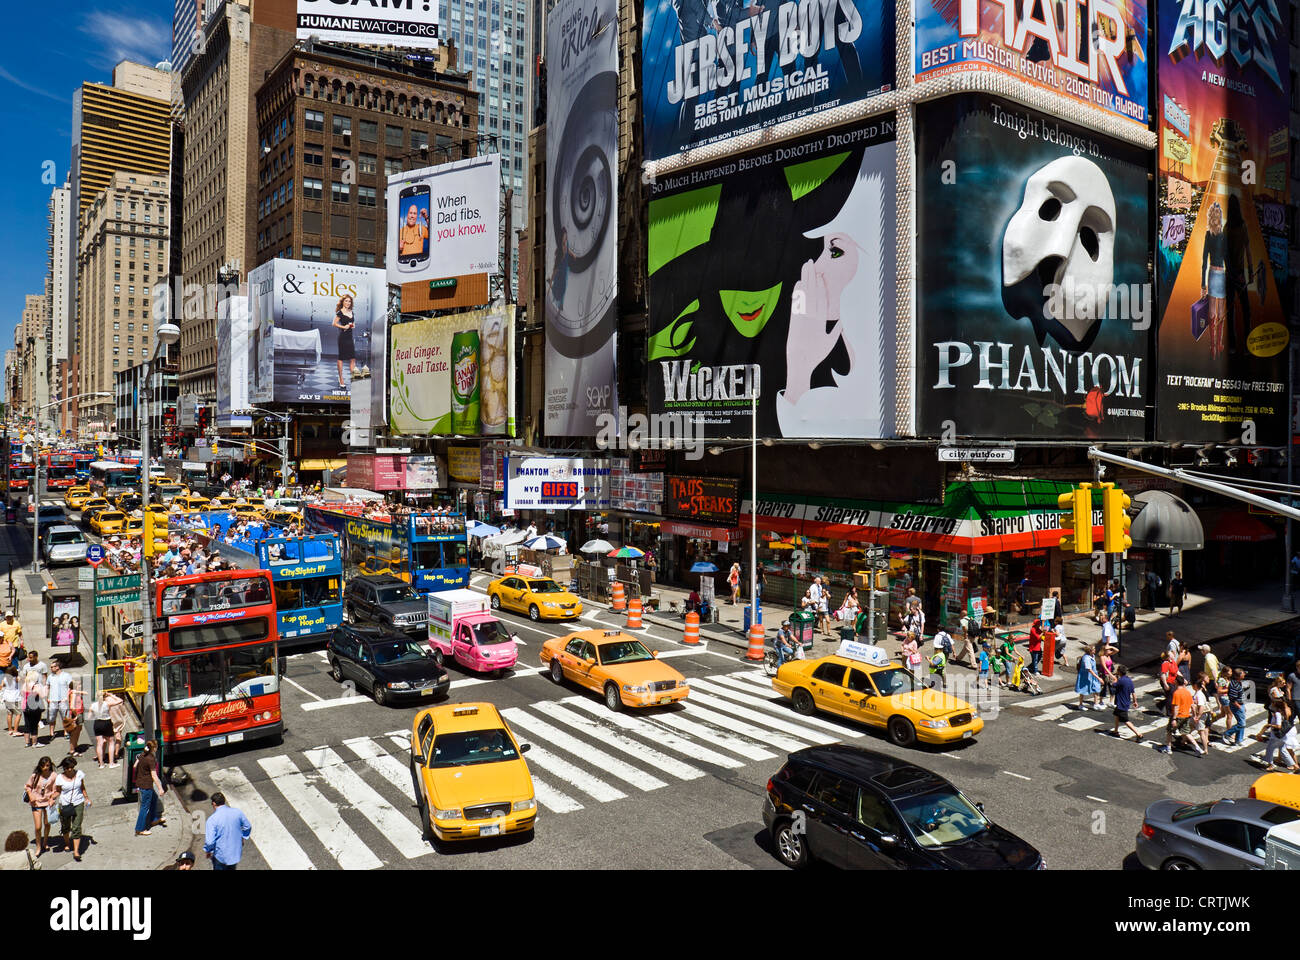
point(187, 31)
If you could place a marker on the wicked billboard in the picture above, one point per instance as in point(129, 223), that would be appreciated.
point(1222, 257)
point(1033, 299)
point(775, 272)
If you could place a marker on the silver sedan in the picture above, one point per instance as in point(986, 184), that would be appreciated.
point(1219, 835)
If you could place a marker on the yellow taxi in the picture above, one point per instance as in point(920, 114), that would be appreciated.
point(158, 510)
point(469, 774)
point(284, 518)
point(132, 527)
point(223, 501)
point(105, 522)
point(616, 665)
point(92, 506)
point(376, 565)
point(1279, 788)
point(76, 497)
point(860, 683)
point(128, 501)
point(189, 504)
point(539, 597)
point(251, 503)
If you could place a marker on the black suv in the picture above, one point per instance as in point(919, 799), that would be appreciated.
point(863, 810)
point(384, 662)
point(387, 601)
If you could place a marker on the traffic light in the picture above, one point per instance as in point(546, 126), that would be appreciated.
point(148, 533)
point(1115, 520)
point(215, 448)
point(1077, 522)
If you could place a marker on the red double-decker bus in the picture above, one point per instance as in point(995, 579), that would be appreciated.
point(218, 667)
point(60, 471)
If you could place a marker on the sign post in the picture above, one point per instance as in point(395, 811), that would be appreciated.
point(877, 559)
point(94, 557)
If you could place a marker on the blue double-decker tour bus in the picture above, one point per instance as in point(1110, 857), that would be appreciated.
point(430, 551)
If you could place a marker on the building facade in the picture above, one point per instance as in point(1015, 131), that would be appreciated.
point(129, 392)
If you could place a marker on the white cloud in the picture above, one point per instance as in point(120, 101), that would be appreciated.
point(120, 37)
point(23, 85)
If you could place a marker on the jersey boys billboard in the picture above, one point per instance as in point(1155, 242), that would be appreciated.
point(1223, 161)
point(774, 272)
point(1033, 300)
point(712, 69)
point(1091, 50)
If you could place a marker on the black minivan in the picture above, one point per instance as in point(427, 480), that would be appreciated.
point(862, 810)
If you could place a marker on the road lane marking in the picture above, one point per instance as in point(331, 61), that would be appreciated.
point(553, 799)
point(320, 704)
point(723, 686)
point(573, 776)
point(1098, 799)
point(299, 686)
point(748, 730)
point(660, 736)
point(766, 718)
point(1018, 776)
point(272, 839)
point(383, 763)
point(612, 765)
point(717, 737)
point(616, 740)
point(397, 830)
point(321, 816)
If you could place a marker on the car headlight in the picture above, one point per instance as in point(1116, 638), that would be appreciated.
point(529, 804)
point(453, 814)
point(940, 722)
point(549, 605)
point(639, 688)
point(399, 685)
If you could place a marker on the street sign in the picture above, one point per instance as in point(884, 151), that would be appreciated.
point(880, 564)
point(133, 630)
point(94, 554)
point(85, 578)
point(115, 597)
point(876, 553)
point(119, 583)
point(977, 455)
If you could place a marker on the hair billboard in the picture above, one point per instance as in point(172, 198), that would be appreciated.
point(713, 69)
point(1222, 259)
point(774, 272)
point(1033, 318)
point(580, 303)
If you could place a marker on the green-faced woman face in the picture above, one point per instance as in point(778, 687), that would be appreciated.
point(749, 310)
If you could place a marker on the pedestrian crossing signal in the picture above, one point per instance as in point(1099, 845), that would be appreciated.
point(1115, 519)
point(1077, 522)
point(214, 449)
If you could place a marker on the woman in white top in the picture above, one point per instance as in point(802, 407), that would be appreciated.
point(102, 727)
point(11, 694)
point(73, 801)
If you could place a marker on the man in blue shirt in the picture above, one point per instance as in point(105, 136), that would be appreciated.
point(1124, 697)
point(227, 830)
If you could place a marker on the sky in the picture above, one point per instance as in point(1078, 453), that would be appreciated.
point(49, 51)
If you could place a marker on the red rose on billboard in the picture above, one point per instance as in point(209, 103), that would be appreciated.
point(1093, 405)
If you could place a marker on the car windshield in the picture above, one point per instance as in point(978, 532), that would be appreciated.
point(1266, 646)
point(66, 536)
point(623, 651)
point(544, 586)
point(394, 594)
point(490, 632)
point(473, 746)
point(941, 817)
point(397, 651)
point(894, 680)
point(111, 515)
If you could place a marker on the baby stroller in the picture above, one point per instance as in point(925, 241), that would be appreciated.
point(1023, 679)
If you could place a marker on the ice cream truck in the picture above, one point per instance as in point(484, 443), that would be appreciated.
point(463, 628)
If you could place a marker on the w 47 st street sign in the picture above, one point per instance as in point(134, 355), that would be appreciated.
point(110, 591)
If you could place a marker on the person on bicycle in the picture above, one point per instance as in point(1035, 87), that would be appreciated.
point(784, 644)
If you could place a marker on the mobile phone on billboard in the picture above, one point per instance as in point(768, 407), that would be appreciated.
point(413, 228)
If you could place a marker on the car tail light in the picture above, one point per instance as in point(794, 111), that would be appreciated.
point(1251, 794)
point(1148, 831)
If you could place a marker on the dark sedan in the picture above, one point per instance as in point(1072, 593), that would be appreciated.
point(862, 810)
point(1220, 835)
point(386, 663)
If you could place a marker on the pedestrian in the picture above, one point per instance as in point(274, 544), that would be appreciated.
point(822, 597)
point(1007, 654)
point(73, 801)
point(1124, 698)
point(760, 576)
point(912, 653)
point(1176, 592)
point(1061, 640)
point(39, 793)
point(11, 694)
point(1209, 663)
point(35, 700)
point(76, 711)
point(33, 664)
point(117, 713)
point(145, 777)
point(1185, 662)
point(1106, 667)
point(183, 862)
point(733, 578)
point(1108, 635)
point(11, 635)
point(1293, 690)
point(985, 664)
point(938, 661)
point(943, 642)
point(16, 855)
point(1279, 733)
point(1168, 676)
point(226, 832)
point(60, 684)
point(1237, 707)
point(1036, 646)
point(848, 611)
point(1181, 725)
point(1201, 712)
point(102, 728)
point(1088, 682)
point(1056, 610)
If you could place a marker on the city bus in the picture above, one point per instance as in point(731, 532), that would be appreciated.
point(307, 573)
point(81, 462)
point(60, 471)
point(108, 478)
point(430, 551)
point(218, 670)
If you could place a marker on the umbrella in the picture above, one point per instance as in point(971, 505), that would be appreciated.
point(780, 545)
point(704, 567)
point(626, 553)
point(477, 529)
point(596, 546)
point(545, 542)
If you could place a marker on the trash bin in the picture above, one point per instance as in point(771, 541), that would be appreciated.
point(803, 624)
point(133, 746)
point(748, 611)
point(847, 633)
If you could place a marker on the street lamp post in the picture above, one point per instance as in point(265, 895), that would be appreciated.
point(166, 335)
point(36, 476)
point(284, 419)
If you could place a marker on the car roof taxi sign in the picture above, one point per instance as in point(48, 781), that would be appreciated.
point(863, 653)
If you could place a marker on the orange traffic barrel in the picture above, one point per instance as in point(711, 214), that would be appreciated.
point(619, 603)
point(692, 634)
point(755, 651)
point(634, 614)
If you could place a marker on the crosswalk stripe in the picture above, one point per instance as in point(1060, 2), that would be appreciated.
point(717, 737)
point(402, 741)
point(1052, 713)
point(759, 734)
point(780, 707)
point(553, 799)
point(383, 763)
point(612, 738)
point(397, 829)
point(272, 839)
point(573, 775)
point(1082, 723)
point(646, 727)
point(319, 814)
point(785, 726)
point(580, 748)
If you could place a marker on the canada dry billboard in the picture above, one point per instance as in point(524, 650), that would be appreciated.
point(444, 221)
point(454, 374)
point(775, 272)
point(395, 23)
point(582, 219)
point(310, 330)
point(1033, 300)
point(1223, 188)
point(714, 70)
point(1090, 50)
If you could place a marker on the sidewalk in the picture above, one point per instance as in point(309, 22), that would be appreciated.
point(109, 824)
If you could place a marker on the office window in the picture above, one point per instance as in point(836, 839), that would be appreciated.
point(315, 120)
point(339, 192)
point(392, 135)
point(311, 253)
point(392, 166)
point(369, 131)
point(367, 163)
point(342, 126)
point(338, 157)
point(338, 256)
point(366, 196)
point(365, 259)
point(312, 189)
point(419, 139)
point(313, 153)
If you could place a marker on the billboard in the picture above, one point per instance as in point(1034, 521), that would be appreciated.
point(413, 23)
point(454, 374)
point(233, 327)
point(556, 483)
point(310, 330)
point(1222, 257)
point(775, 271)
point(1089, 50)
point(580, 307)
point(712, 71)
point(1033, 318)
point(710, 500)
point(444, 221)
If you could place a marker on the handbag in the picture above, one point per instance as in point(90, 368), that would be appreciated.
point(1200, 317)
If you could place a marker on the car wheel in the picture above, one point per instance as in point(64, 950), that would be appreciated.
point(380, 694)
point(901, 732)
point(496, 601)
point(790, 847)
point(437, 656)
point(803, 702)
point(426, 831)
point(612, 699)
point(336, 670)
point(499, 672)
point(557, 671)
point(1178, 863)
point(534, 614)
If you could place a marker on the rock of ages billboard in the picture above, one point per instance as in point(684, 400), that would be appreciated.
point(1224, 80)
point(712, 69)
point(1033, 301)
point(775, 271)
